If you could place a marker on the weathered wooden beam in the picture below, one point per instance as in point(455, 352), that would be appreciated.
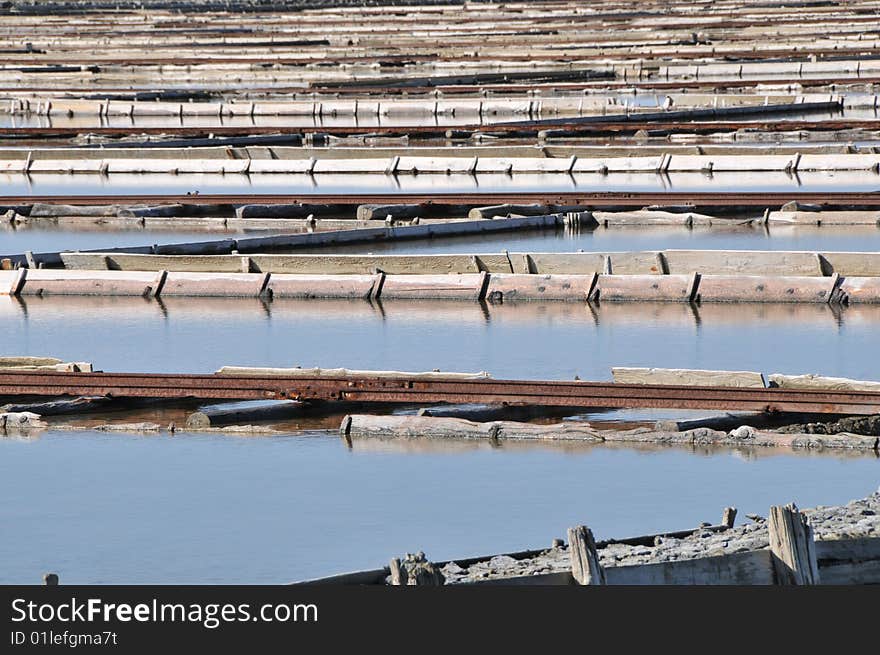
point(220, 416)
point(585, 567)
point(79, 405)
point(687, 377)
point(792, 546)
point(813, 381)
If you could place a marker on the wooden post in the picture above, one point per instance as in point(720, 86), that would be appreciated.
point(728, 518)
point(585, 567)
point(415, 570)
point(397, 576)
point(793, 548)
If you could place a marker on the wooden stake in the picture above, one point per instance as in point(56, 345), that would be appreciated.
point(728, 518)
point(793, 548)
point(585, 567)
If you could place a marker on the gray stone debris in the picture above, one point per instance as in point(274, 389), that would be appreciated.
point(858, 518)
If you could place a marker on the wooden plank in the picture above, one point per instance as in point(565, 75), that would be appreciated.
point(206, 418)
point(27, 361)
point(851, 573)
point(742, 262)
point(859, 290)
point(813, 381)
point(380, 212)
point(407, 426)
point(80, 405)
point(687, 377)
point(454, 287)
point(368, 577)
point(748, 568)
point(763, 288)
point(211, 284)
point(667, 288)
point(541, 579)
point(506, 210)
point(390, 264)
point(99, 283)
point(282, 285)
point(856, 264)
point(578, 263)
point(654, 217)
point(792, 547)
point(585, 567)
point(824, 217)
point(503, 288)
point(259, 371)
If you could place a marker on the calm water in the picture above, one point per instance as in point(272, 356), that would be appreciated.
point(850, 238)
point(101, 508)
point(54, 240)
point(530, 340)
point(206, 509)
point(123, 183)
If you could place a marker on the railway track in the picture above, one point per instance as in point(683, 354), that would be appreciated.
point(416, 390)
point(595, 199)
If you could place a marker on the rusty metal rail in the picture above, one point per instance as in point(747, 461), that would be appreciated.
point(517, 129)
point(592, 199)
point(416, 390)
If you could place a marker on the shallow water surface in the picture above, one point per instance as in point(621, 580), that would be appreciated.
point(523, 340)
point(859, 238)
point(99, 508)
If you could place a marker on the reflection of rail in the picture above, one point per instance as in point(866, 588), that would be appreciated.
point(439, 131)
point(81, 56)
point(413, 389)
point(453, 89)
point(595, 199)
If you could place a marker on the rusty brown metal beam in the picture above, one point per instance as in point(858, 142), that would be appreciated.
point(402, 389)
point(594, 199)
point(572, 127)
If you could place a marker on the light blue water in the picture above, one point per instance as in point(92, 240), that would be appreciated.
point(123, 183)
point(114, 508)
point(52, 240)
point(526, 340)
point(99, 508)
point(849, 238)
